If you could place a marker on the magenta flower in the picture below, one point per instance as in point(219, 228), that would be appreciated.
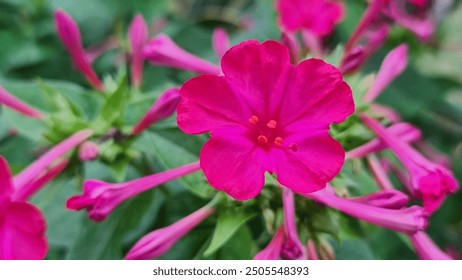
point(69, 33)
point(138, 37)
point(164, 107)
point(370, 34)
point(12, 102)
point(290, 41)
point(161, 240)
point(268, 116)
point(316, 16)
point(292, 248)
point(22, 225)
point(414, 15)
point(35, 169)
point(406, 132)
point(409, 220)
point(429, 181)
point(163, 51)
point(392, 66)
point(273, 250)
point(426, 249)
point(88, 151)
point(220, 42)
point(389, 199)
point(100, 198)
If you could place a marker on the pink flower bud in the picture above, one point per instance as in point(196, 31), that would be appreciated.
point(12, 102)
point(88, 151)
point(138, 36)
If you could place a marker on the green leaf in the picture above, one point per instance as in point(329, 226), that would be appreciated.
point(227, 225)
point(352, 249)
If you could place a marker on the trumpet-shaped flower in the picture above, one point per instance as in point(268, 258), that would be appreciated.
point(22, 225)
point(12, 102)
point(273, 250)
point(265, 114)
point(88, 151)
point(164, 107)
point(292, 248)
point(69, 33)
point(163, 51)
point(220, 42)
point(426, 249)
point(138, 37)
point(101, 198)
point(160, 241)
point(429, 181)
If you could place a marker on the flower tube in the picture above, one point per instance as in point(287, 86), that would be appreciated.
point(138, 36)
point(12, 102)
point(163, 51)
point(426, 249)
point(161, 240)
point(273, 250)
point(292, 248)
point(429, 181)
point(100, 198)
point(69, 34)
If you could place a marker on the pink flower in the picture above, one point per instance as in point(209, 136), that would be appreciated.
point(273, 250)
point(429, 181)
point(163, 51)
point(164, 107)
point(69, 33)
point(389, 199)
point(138, 37)
point(220, 41)
point(426, 249)
point(100, 198)
point(414, 15)
point(268, 116)
point(160, 241)
point(369, 35)
point(406, 132)
point(392, 66)
point(88, 151)
point(22, 225)
point(379, 173)
point(12, 102)
point(290, 41)
point(408, 220)
point(32, 171)
point(316, 16)
point(292, 248)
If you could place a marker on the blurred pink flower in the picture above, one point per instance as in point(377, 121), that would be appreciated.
point(429, 181)
point(161, 240)
point(100, 198)
point(69, 33)
point(273, 250)
point(138, 37)
point(22, 225)
point(292, 248)
point(389, 199)
point(405, 131)
point(268, 116)
point(162, 108)
point(370, 34)
point(12, 102)
point(426, 249)
point(408, 220)
point(311, 251)
point(88, 151)
point(220, 41)
point(392, 66)
point(316, 16)
point(163, 51)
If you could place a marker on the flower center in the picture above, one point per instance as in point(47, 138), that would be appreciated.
point(269, 134)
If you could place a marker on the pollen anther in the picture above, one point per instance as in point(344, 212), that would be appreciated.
point(278, 141)
point(253, 120)
point(271, 124)
point(262, 139)
point(293, 147)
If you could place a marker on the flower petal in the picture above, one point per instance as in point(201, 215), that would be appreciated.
point(6, 180)
point(22, 232)
point(234, 164)
point(317, 160)
point(317, 95)
point(207, 103)
point(257, 72)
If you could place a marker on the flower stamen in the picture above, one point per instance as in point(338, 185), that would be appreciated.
point(272, 124)
point(253, 120)
point(262, 139)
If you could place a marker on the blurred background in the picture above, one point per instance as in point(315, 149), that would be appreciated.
point(428, 94)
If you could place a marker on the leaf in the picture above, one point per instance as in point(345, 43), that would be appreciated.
point(227, 225)
point(352, 249)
